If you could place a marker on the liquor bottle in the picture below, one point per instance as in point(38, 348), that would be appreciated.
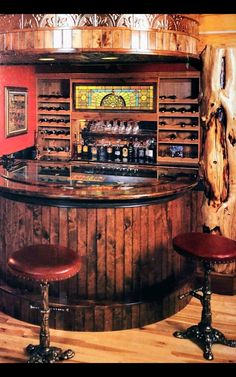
point(172, 136)
point(102, 155)
point(162, 123)
point(162, 109)
point(130, 150)
point(135, 150)
point(117, 152)
point(141, 153)
point(162, 97)
point(109, 152)
point(79, 146)
point(94, 152)
point(172, 110)
point(125, 153)
point(85, 150)
point(182, 110)
point(152, 151)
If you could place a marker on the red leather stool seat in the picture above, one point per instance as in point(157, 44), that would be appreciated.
point(44, 262)
point(205, 246)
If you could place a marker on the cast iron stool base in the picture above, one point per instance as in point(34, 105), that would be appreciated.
point(44, 353)
point(203, 333)
point(40, 354)
point(205, 337)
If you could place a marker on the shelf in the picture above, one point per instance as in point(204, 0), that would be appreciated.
point(54, 112)
point(191, 142)
point(178, 128)
point(178, 101)
point(53, 100)
point(56, 137)
point(172, 160)
point(179, 115)
point(54, 125)
point(142, 134)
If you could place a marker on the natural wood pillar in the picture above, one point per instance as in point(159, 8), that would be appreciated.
point(218, 158)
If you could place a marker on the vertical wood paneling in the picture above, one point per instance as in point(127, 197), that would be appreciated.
point(29, 39)
point(15, 41)
point(136, 269)
point(128, 234)
point(72, 244)
point(127, 252)
point(39, 39)
point(37, 223)
point(126, 38)
point(152, 40)
point(144, 248)
point(45, 225)
point(119, 235)
point(116, 38)
point(54, 225)
point(87, 38)
point(101, 253)
point(92, 253)
point(106, 38)
point(96, 38)
point(48, 39)
point(76, 39)
point(151, 246)
point(63, 227)
point(110, 253)
point(82, 250)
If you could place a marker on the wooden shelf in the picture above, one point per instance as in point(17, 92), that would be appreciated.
point(178, 141)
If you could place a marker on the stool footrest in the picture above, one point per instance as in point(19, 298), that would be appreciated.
point(193, 293)
point(39, 354)
point(205, 337)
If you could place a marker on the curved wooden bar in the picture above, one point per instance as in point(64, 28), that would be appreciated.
point(60, 34)
point(130, 276)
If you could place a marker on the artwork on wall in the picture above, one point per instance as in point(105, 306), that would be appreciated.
point(16, 103)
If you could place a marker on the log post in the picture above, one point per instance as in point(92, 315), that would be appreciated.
point(218, 156)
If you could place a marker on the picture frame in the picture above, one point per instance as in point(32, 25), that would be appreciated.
point(16, 111)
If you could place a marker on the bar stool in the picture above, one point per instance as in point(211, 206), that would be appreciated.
point(45, 263)
point(209, 249)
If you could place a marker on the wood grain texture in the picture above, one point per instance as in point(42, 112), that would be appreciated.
point(150, 344)
point(130, 276)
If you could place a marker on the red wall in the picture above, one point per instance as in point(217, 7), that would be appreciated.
point(18, 76)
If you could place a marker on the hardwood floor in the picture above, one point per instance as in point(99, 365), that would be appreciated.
point(151, 344)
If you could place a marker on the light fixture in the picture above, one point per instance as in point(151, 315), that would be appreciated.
point(47, 59)
point(110, 58)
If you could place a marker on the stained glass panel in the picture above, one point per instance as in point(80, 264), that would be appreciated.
point(138, 97)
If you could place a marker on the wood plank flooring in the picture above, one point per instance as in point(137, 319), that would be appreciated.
point(151, 344)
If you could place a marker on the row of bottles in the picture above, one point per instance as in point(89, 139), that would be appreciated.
point(54, 132)
point(54, 120)
point(192, 123)
point(54, 149)
point(192, 109)
point(132, 151)
point(53, 108)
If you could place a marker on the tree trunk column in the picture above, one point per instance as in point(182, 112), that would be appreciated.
point(218, 157)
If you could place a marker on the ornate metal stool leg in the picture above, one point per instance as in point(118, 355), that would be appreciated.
point(203, 333)
point(43, 353)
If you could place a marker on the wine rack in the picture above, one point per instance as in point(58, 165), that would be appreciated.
point(53, 117)
point(178, 119)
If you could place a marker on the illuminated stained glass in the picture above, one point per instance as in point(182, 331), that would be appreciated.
point(138, 97)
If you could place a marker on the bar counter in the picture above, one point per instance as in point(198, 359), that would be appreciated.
point(120, 218)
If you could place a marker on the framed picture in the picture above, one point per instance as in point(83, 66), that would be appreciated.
point(16, 103)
